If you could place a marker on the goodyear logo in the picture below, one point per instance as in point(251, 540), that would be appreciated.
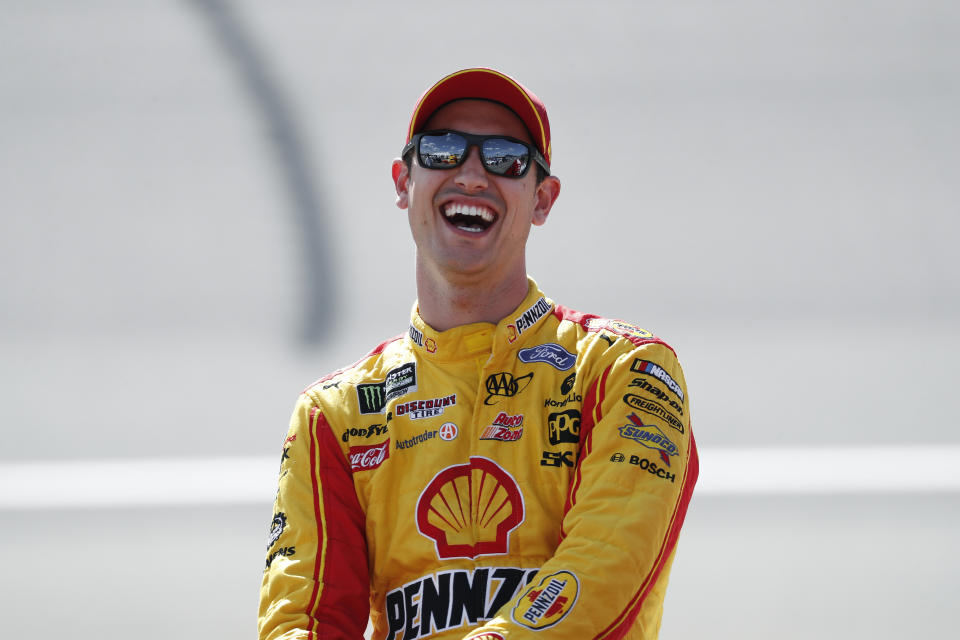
point(548, 602)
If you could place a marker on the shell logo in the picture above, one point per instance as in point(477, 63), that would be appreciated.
point(547, 603)
point(469, 510)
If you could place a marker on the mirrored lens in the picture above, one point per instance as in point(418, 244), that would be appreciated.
point(441, 151)
point(505, 157)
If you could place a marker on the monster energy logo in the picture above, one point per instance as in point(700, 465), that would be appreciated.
point(372, 397)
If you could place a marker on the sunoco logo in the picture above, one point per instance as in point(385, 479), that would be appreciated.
point(547, 603)
point(452, 599)
point(504, 385)
point(649, 436)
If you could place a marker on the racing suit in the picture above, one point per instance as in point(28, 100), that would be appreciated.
point(520, 480)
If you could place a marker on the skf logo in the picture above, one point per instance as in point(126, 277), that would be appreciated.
point(556, 459)
point(469, 510)
point(547, 603)
point(505, 427)
point(504, 385)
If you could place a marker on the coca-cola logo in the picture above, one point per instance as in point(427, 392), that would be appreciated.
point(369, 456)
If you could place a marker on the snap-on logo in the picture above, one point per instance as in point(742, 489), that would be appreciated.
point(469, 510)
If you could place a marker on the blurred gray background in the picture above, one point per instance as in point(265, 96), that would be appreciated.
point(198, 220)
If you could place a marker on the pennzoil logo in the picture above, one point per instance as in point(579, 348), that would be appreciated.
point(416, 335)
point(504, 385)
point(529, 317)
point(451, 599)
point(548, 602)
point(469, 510)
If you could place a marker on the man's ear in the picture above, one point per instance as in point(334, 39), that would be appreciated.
point(545, 195)
point(401, 178)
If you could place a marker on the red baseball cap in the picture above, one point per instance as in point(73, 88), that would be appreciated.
point(486, 84)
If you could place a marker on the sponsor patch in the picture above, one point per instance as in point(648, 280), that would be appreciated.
point(371, 397)
point(564, 426)
point(400, 381)
point(419, 409)
point(504, 385)
point(646, 465)
point(469, 510)
point(451, 599)
point(529, 317)
point(369, 456)
point(364, 432)
point(657, 392)
point(548, 602)
point(550, 353)
point(556, 459)
point(276, 528)
point(416, 336)
point(649, 436)
point(430, 345)
point(418, 439)
point(567, 385)
point(559, 404)
point(448, 431)
point(282, 551)
point(655, 409)
point(505, 427)
point(651, 369)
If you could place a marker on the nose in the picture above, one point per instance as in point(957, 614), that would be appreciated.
point(471, 176)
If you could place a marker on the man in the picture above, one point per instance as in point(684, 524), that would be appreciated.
point(508, 468)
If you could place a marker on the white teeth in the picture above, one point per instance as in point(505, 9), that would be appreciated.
point(469, 210)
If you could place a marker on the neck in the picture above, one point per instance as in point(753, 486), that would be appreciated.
point(451, 301)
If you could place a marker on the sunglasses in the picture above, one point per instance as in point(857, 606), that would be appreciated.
point(500, 155)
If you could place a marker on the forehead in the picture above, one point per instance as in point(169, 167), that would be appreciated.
point(478, 116)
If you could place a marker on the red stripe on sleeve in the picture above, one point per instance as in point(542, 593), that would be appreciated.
point(591, 414)
point(339, 604)
point(620, 626)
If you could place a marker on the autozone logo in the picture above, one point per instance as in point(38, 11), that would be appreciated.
point(369, 456)
point(505, 427)
point(451, 599)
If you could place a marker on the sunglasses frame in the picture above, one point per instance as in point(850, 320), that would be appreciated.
point(475, 140)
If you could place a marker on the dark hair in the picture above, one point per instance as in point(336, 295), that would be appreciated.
point(541, 172)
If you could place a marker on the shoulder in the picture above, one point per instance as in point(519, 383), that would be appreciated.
point(391, 357)
point(610, 337)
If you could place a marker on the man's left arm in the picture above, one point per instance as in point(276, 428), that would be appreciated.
point(628, 497)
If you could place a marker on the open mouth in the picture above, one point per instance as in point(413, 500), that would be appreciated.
point(469, 217)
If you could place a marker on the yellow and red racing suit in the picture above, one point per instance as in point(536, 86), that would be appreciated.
point(520, 480)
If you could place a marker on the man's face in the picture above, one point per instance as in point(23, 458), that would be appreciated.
point(466, 221)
